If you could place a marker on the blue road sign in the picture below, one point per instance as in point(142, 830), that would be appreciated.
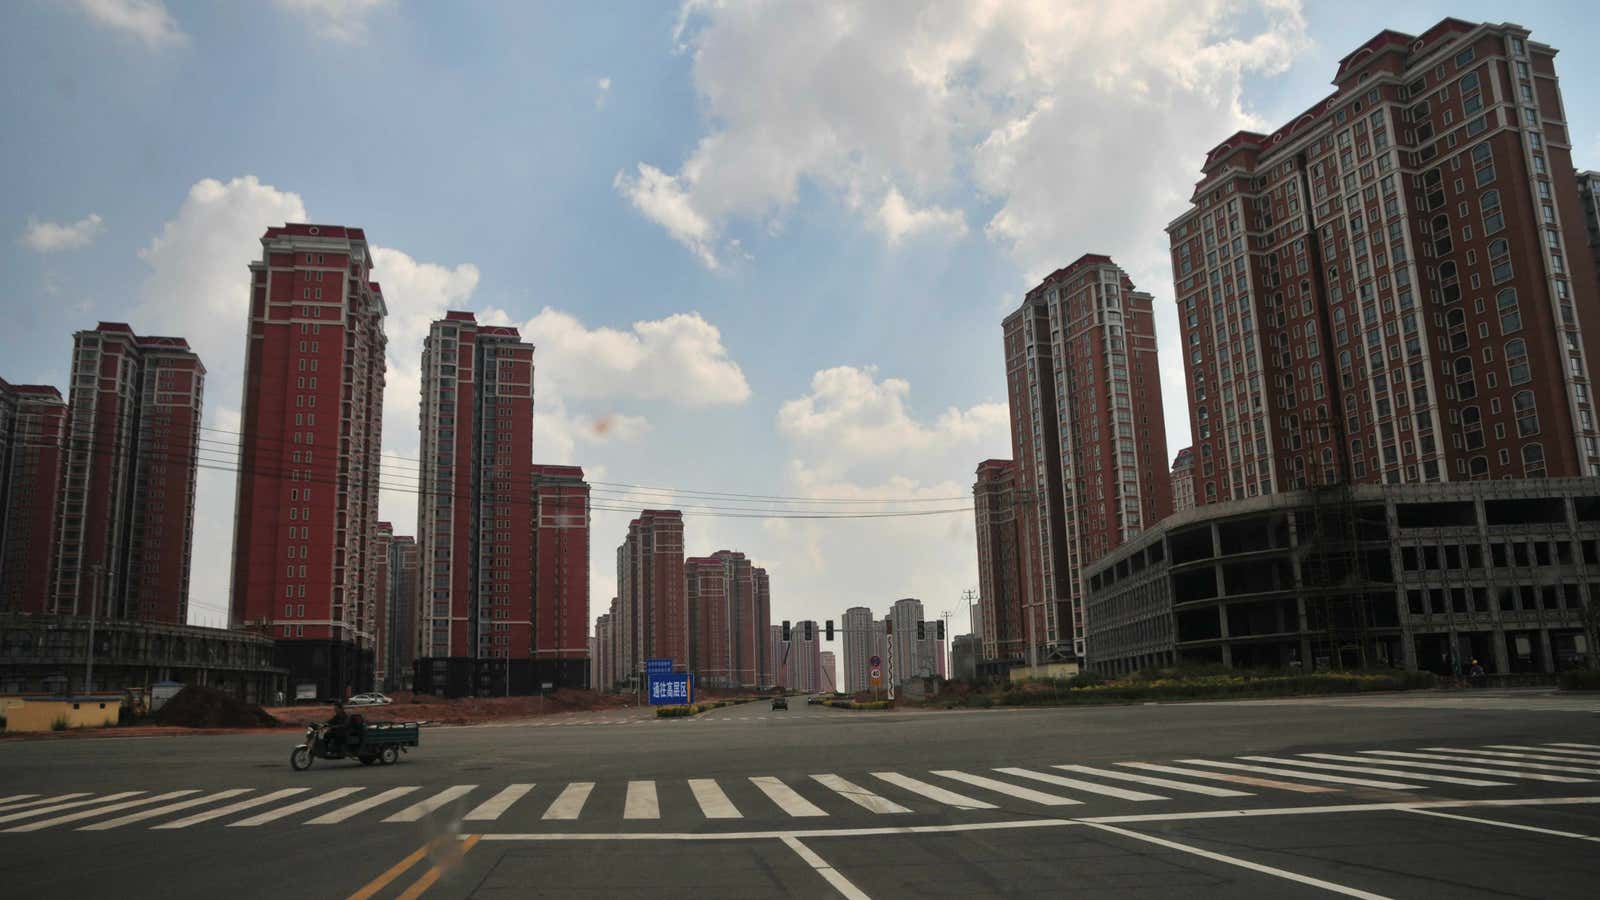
point(876, 662)
point(671, 689)
point(658, 666)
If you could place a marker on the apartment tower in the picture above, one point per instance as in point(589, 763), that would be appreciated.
point(1088, 434)
point(33, 429)
point(401, 612)
point(475, 528)
point(650, 585)
point(1003, 550)
point(125, 527)
point(561, 576)
point(306, 513)
point(1183, 480)
point(860, 645)
point(1395, 286)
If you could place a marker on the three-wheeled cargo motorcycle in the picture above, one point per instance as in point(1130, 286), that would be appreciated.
point(369, 742)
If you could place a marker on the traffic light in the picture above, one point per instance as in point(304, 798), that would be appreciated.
point(939, 628)
point(922, 631)
point(829, 629)
point(808, 629)
point(785, 629)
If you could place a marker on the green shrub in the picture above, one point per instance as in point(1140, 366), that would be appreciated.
point(1581, 680)
point(60, 724)
point(675, 712)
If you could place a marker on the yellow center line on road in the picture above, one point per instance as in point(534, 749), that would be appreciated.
point(429, 877)
point(372, 887)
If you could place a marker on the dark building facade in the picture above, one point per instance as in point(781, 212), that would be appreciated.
point(32, 437)
point(1003, 582)
point(650, 587)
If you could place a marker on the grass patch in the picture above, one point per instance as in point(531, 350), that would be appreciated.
point(1177, 685)
point(858, 704)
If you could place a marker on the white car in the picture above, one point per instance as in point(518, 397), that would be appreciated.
point(369, 699)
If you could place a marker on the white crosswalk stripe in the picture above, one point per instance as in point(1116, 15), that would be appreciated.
point(642, 802)
point(167, 810)
point(932, 792)
point(273, 815)
point(714, 803)
point(858, 795)
point(1309, 776)
point(61, 807)
point(1205, 790)
point(1446, 767)
point(230, 809)
point(1580, 746)
point(422, 807)
point(495, 807)
point(787, 799)
point(6, 801)
point(1483, 761)
point(1506, 754)
point(1387, 773)
point(1230, 777)
point(1010, 790)
point(101, 810)
point(1079, 784)
point(360, 806)
point(42, 801)
point(1587, 756)
point(569, 805)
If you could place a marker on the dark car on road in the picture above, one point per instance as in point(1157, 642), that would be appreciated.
point(780, 702)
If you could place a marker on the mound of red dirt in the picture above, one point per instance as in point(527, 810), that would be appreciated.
point(203, 707)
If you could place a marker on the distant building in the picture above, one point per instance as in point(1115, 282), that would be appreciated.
point(475, 527)
point(382, 574)
point(728, 619)
point(561, 576)
point(1005, 584)
point(905, 657)
point(860, 644)
point(401, 615)
point(309, 455)
point(765, 664)
point(964, 653)
point(33, 429)
point(828, 678)
point(805, 656)
point(650, 586)
point(600, 663)
point(778, 650)
point(1183, 480)
point(125, 518)
point(1589, 200)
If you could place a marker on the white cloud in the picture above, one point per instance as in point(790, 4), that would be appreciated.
point(50, 237)
point(851, 415)
point(602, 90)
point(899, 220)
point(146, 20)
point(662, 199)
point(342, 21)
point(679, 359)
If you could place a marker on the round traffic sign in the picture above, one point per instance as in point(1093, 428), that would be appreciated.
point(876, 661)
point(877, 673)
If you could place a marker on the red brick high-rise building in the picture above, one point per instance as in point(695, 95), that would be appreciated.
point(1394, 286)
point(306, 513)
point(381, 572)
point(475, 528)
point(650, 586)
point(400, 630)
point(33, 430)
point(561, 575)
point(1003, 551)
point(1087, 432)
point(729, 603)
point(125, 526)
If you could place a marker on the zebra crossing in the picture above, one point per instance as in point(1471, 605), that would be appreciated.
point(1003, 789)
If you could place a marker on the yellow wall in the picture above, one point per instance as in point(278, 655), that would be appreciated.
point(29, 714)
point(1048, 670)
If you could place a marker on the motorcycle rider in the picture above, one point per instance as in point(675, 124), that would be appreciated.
point(333, 733)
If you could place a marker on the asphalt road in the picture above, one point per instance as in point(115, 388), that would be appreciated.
point(1481, 794)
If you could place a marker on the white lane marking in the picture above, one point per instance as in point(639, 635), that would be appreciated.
point(361, 806)
point(496, 806)
point(1309, 776)
point(1014, 824)
point(642, 802)
point(1225, 776)
point(101, 810)
point(1445, 767)
point(62, 807)
point(1202, 789)
point(1241, 863)
point(422, 807)
point(1588, 756)
point(714, 803)
point(932, 792)
point(273, 815)
point(1584, 746)
point(785, 796)
point(1010, 790)
point(1505, 754)
point(829, 873)
point(43, 801)
point(569, 805)
point(1498, 824)
point(7, 801)
point(859, 795)
point(165, 810)
point(1081, 785)
point(1387, 773)
point(1482, 761)
point(230, 809)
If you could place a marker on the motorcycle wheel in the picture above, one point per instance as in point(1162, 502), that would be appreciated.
point(300, 758)
point(390, 755)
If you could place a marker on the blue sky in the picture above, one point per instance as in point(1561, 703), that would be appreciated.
point(770, 246)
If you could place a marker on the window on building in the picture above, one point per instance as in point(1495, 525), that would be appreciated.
point(1527, 413)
